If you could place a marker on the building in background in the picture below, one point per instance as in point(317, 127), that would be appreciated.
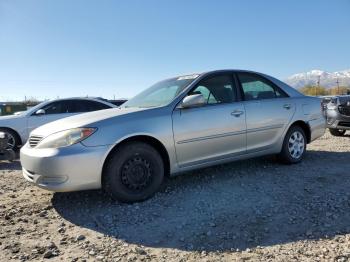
point(9, 108)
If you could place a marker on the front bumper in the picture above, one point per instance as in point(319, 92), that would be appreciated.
point(72, 168)
point(343, 124)
point(336, 120)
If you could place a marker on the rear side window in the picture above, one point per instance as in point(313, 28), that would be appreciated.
point(80, 106)
point(256, 87)
point(216, 89)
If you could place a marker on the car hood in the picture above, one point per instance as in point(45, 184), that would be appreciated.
point(10, 118)
point(82, 120)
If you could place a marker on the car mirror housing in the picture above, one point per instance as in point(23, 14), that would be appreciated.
point(190, 101)
point(40, 112)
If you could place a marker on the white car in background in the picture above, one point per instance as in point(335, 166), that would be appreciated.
point(19, 126)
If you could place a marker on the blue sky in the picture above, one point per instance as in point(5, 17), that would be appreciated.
point(105, 48)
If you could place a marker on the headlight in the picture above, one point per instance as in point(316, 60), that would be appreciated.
point(332, 106)
point(66, 137)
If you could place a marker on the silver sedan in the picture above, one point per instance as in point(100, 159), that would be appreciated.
point(178, 124)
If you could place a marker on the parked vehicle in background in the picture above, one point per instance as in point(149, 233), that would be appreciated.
point(18, 126)
point(337, 112)
point(116, 102)
point(178, 124)
point(5, 152)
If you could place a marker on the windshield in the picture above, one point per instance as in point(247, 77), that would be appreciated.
point(161, 93)
point(344, 100)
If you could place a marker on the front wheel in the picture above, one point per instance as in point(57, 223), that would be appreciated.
point(13, 139)
point(294, 146)
point(337, 132)
point(133, 173)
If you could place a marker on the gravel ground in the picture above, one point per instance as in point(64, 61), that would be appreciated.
point(249, 210)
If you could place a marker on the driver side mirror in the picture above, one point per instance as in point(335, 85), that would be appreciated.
point(40, 112)
point(190, 101)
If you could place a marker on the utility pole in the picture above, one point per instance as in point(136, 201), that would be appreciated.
point(318, 84)
point(338, 85)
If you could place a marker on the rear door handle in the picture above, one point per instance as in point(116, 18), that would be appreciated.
point(287, 106)
point(237, 113)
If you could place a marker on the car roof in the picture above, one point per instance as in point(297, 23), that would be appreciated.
point(97, 99)
point(335, 96)
point(217, 71)
point(230, 70)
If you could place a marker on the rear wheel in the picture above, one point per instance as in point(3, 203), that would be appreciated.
point(337, 132)
point(294, 146)
point(133, 173)
point(13, 138)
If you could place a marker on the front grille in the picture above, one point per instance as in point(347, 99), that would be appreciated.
point(34, 140)
point(344, 110)
point(30, 175)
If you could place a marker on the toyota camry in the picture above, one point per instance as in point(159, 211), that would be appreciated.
point(178, 124)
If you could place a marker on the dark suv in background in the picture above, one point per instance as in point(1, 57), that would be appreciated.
point(337, 113)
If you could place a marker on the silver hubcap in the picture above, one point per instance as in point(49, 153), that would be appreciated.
point(296, 144)
point(11, 141)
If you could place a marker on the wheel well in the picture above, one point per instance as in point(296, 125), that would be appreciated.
point(146, 139)
point(305, 127)
point(14, 132)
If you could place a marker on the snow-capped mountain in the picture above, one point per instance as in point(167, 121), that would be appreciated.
point(327, 79)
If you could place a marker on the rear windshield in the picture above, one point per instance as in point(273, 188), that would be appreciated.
point(326, 100)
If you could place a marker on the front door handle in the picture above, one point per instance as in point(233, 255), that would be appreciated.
point(287, 106)
point(237, 113)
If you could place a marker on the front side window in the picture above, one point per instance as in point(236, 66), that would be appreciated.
point(58, 107)
point(216, 90)
point(257, 88)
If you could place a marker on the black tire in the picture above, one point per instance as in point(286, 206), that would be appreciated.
point(14, 139)
point(133, 173)
point(287, 155)
point(337, 132)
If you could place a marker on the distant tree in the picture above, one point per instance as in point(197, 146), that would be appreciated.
point(31, 101)
point(311, 90)
point(342, 90)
